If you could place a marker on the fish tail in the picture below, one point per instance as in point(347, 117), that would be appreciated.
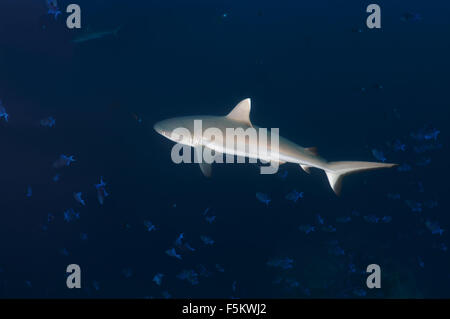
point(337, 170)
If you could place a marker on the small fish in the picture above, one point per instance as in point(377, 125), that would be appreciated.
point(52, 7)
point(188, 247)
point(404, 168)
point(56, 178)
point(355, 213)
point(415, 207)
point(96, 285)
point(359, 292)
point(166, 294)
point(344, 220)
point(283, 263)
point(233, 286)
point(434, 227)
point(420, 187)
point(210, 219)
point(328, 229)
point(189, 275)
point(379, 155)
point(207, 240)
point(64, 252)
point(48, 122)
point(127, 272)
point(219, 268)
point(101, 191)
point(172, 253)
point(263, 198)
point(3, 113)
point(50, 218)
point(411, 17)
point(336, 250)
point(399, 146)
point(203, 272)
point(386, 219)
point(351, 268)
point(283, 175)
point(371, 219)
point(294, 196)
point(425, 134)
point(29, 192)
point(421, 262)
point(79, 199)
point(157, 279)
point(320, 220)
point(307, 229)
point(419, 149)
point(378, 86)
point(178, 241)
point(393, 196)
point(431, 204)
point(63, 161)
point(149, 226)
point(70, 215)
point(423, 161)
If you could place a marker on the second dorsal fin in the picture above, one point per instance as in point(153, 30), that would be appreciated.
point(313, 150)
point(241, 112)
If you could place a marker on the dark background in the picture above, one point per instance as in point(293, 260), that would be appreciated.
point(313, 69)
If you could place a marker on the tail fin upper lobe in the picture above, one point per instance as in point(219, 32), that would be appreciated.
point(337, 170)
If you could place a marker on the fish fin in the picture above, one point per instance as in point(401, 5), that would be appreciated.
point(206, 169)
point(198, 158)
point(241, 112)
point(337, 170)
point(313, 150)
point(306, 168)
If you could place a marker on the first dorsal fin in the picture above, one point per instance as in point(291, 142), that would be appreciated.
point(241, 112)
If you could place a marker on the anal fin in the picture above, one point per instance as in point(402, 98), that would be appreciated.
point(306, 168)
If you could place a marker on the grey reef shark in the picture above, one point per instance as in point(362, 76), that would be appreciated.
point(286, 152)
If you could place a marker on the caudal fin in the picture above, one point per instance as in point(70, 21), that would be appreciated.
point(337, 170)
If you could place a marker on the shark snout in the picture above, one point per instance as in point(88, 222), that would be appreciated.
point(158, 128)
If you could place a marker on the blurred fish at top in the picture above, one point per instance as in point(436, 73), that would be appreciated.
point(96, 35)
point(52, 7)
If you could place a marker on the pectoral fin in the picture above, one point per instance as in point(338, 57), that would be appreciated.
point(206, 169)
point(198, 157)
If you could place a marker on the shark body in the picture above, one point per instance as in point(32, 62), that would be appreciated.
point(286, 152)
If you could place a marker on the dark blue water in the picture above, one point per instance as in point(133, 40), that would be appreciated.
point(313, 69)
